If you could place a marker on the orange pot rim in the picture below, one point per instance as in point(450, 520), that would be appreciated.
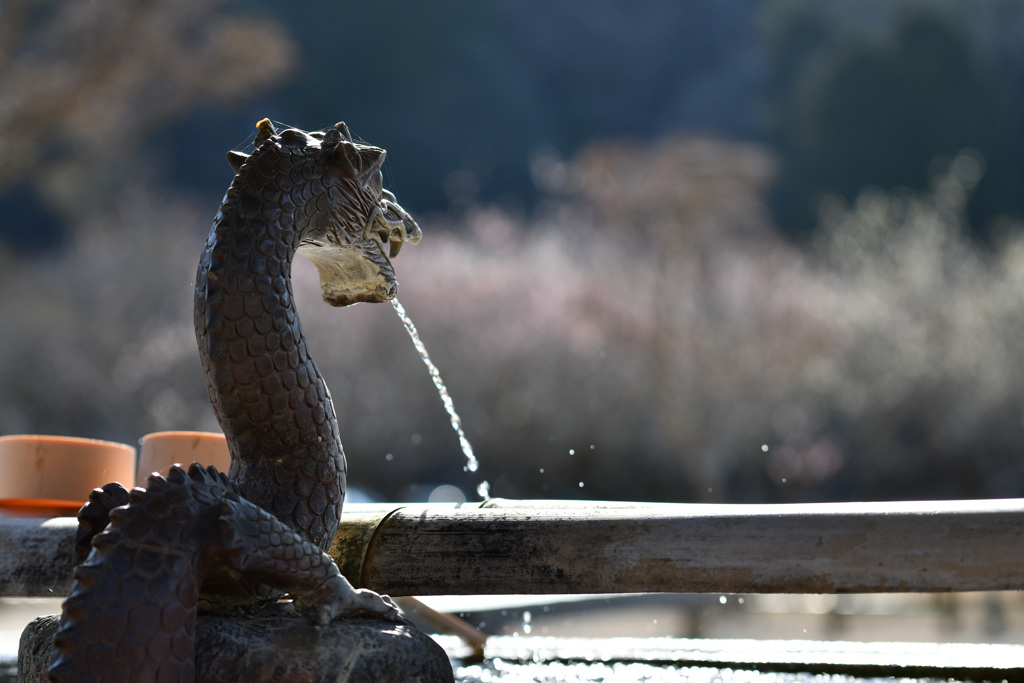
point(182, 433)
point(39, 507)
point(39, 502)
point(84, 440)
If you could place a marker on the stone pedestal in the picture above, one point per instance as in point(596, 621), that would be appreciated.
point(275, 648)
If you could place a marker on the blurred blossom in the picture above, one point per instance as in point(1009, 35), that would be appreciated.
point(649, 307)
point(99, 339)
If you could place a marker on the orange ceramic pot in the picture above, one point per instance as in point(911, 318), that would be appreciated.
point(49, 476)
point(159, 450)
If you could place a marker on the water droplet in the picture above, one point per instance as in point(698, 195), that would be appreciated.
point(484, 490)
point(526, 622)
point(572, 451)
point(722, 599)
point(783, 480)
point(389, 457)
point(764, 448)
point(592, 447)
point(542, 470)
point(581, 484)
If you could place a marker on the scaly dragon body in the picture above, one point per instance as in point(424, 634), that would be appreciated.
point(232, 542)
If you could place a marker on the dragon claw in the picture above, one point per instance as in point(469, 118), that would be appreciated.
point(338, 599)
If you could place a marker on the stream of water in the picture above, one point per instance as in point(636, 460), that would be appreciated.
point(467, 448)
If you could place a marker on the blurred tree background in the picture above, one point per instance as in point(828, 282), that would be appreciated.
point(745, 250)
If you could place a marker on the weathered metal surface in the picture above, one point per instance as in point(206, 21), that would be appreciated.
point(594, 547)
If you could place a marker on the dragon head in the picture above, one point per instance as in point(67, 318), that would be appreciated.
point(347, 215)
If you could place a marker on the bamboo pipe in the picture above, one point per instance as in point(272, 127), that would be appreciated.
point(545, 547)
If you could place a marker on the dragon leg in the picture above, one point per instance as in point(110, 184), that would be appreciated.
point(262, 548)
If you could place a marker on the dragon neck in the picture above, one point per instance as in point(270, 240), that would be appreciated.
point(266, 390)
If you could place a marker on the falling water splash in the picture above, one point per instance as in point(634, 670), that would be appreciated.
point(471, 462)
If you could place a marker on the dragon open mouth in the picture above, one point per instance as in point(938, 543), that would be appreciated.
point(357, 268)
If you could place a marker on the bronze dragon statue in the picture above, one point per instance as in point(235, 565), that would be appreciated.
point(200, 540)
